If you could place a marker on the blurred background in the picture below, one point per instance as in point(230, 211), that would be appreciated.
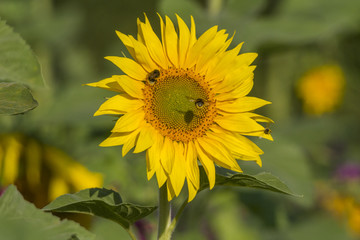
point(308, 67)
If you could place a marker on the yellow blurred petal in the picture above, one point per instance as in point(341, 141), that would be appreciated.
point(171, 42)
point(11, 161)
point(57, 187)
point(243, 104)
point(131, 86)
point(129, 67)
point(167, 155)
point(119, 104)
point(129, 122)
point(207, 164)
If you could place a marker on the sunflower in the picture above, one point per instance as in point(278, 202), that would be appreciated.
point(182, 99)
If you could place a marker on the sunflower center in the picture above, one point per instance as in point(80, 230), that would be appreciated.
point(179, 103)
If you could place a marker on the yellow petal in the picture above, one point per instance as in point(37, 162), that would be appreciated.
point(119, 104)
point(142, 55)
point(218, 153)
point(192, 33)
point(171, 42)
point(192, 167)
point(207, 164)
point(130, 121)
point(108, 84)
point(153, 156)
point(243, 104)
point(167, 155)
point(131, 86)
point(128, 43)
point(184, 40)
point(238, 123)
point(115, 139)
point(245, 59)
point(210, 51)
point(226, 60)
point(146, 138)
point(153, 44)
point(130, 142)
point(233, 81)
point(199, 45)
point(192, 191)
point(236, 143)
point(170, 191)
point(129, 67)
point(242, 90)
point(259, 118)
point(177, 175)
point(161, 176)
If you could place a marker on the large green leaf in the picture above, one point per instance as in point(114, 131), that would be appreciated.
point(264, 181)
point(20, 219)
point(100, 202)
point(17, 61)
point(15, 98)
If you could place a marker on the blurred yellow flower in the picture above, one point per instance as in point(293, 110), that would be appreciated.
point(41, 172)
point(321, 89)
point(344, 207)
point(183, 99)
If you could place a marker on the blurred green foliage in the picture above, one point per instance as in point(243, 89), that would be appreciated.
point(70, 39)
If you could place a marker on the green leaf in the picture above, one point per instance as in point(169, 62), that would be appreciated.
point(15, 98)
point(17, 61)
point(100, 202)
point(264, 181)
point(20, 219)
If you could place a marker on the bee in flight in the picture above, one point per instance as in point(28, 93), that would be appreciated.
point(151, 77)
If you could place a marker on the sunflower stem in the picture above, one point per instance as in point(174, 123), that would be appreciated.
point(131, 234)
point(164, 215)
point(172, 226)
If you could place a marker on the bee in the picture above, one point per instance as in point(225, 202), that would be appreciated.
point(267, 131)
point(199, 103)
point(151, 78)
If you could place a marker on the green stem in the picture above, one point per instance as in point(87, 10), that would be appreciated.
point(131, 234)
point(172, 226)
point(164, 215)
point(214, 8)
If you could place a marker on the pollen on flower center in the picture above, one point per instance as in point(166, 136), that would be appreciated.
point(179, 104)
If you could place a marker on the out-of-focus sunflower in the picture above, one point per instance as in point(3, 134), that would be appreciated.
point(321, 89)
point(41, 172)
point(183, 99)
